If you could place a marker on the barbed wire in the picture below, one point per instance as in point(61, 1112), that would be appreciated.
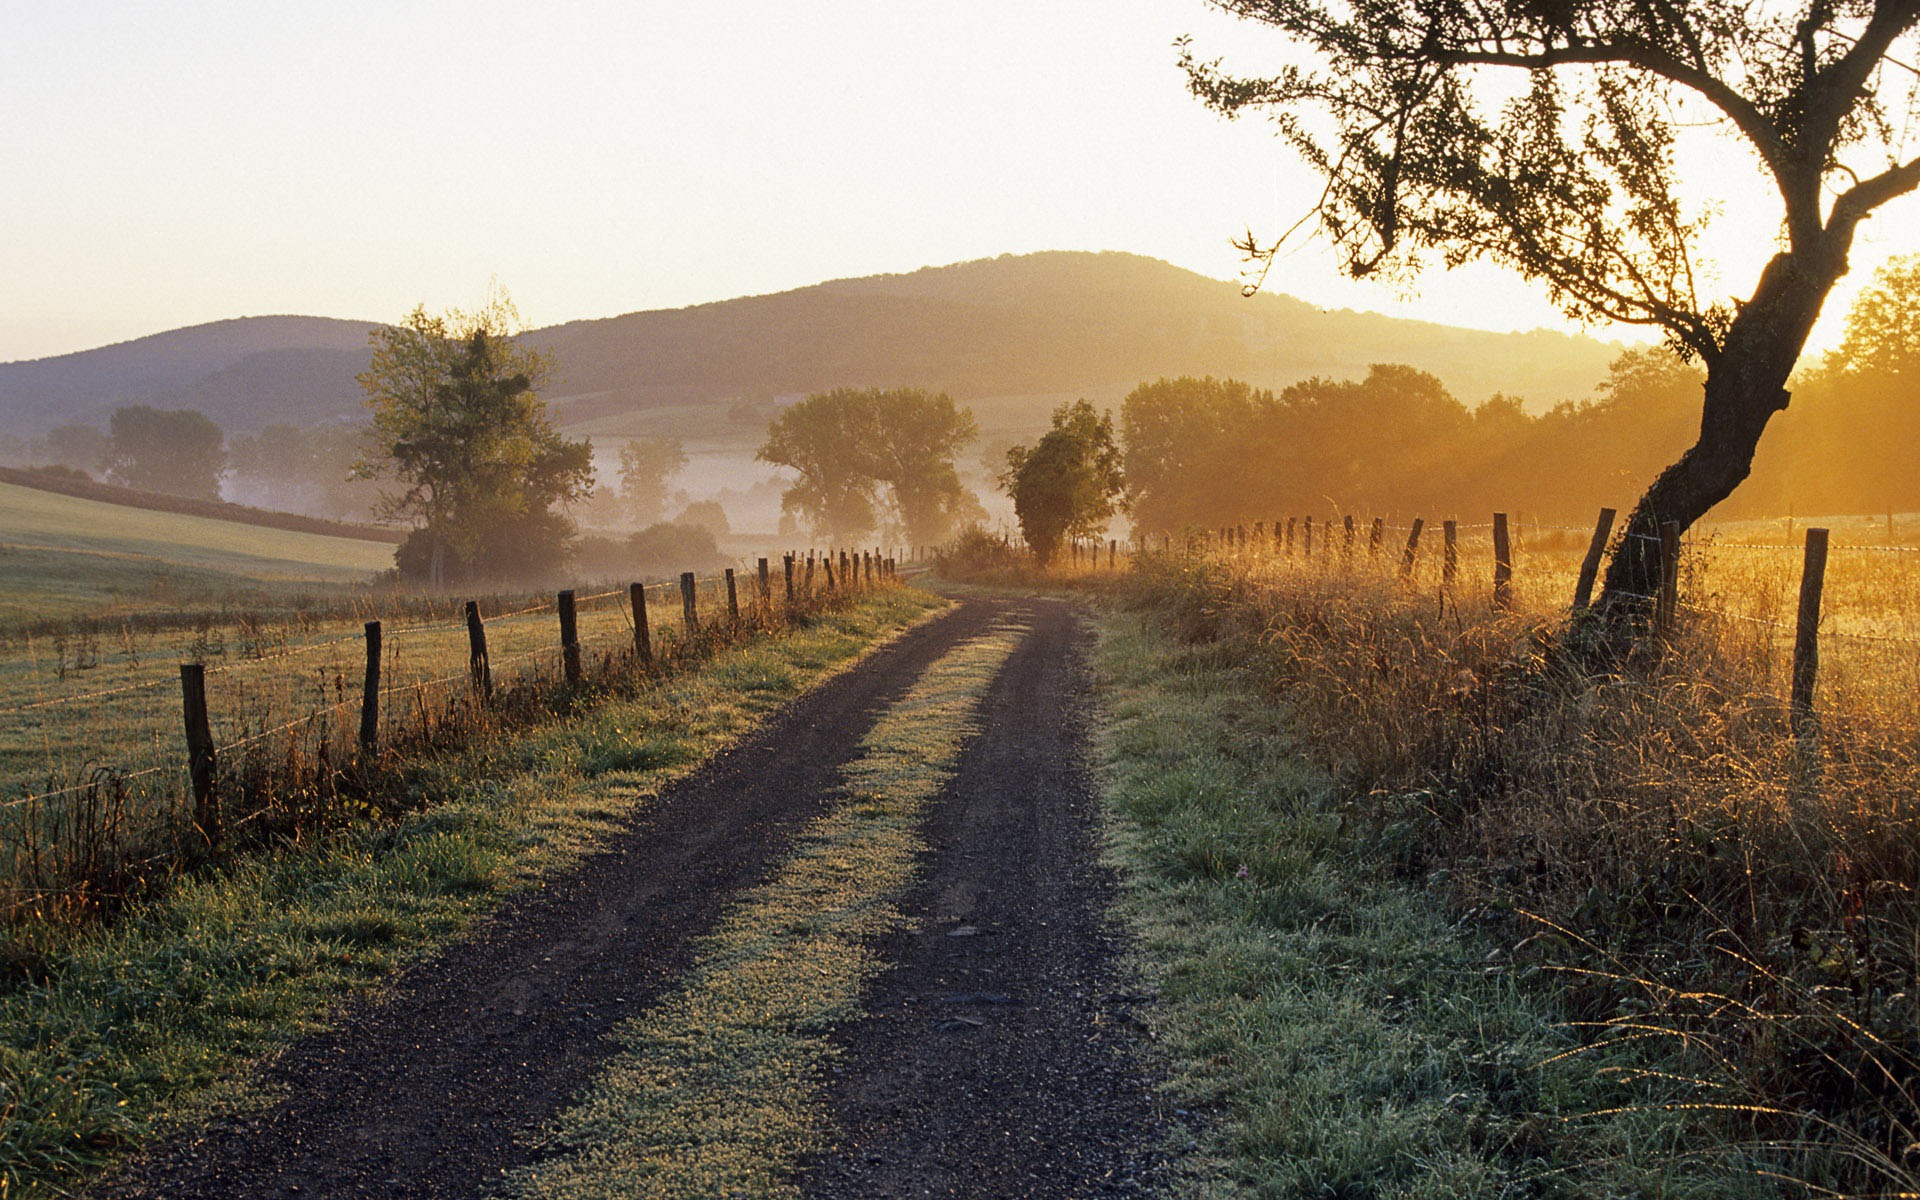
point(57, 701)
point(113, 777)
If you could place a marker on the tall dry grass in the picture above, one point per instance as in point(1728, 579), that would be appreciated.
point(1739, 902)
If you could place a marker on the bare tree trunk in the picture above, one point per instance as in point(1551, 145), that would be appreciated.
point(1746, 386)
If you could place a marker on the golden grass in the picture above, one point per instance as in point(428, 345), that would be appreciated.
point(1696, 874)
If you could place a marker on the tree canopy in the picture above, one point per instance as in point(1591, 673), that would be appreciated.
point(458, 422)
point(865, 453)
point(647, 465)
point(178, 451)
point(1543, 137)
point(1068, 484)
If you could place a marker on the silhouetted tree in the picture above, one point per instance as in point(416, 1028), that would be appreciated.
point(1570, 178)
point(646, 466)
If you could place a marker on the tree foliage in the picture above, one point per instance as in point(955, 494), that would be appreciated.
point(647, 467)
point(1543, 137)
point(458, 422)
point(177, 451)
point(862, 454)
point(1068, 484)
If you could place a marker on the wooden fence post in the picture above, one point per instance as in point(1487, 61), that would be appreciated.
point(828, 563)
point(1449, 557)
point(1502, 563)
point(689, 605)
point(809, 579)
point(1346, 546)
point(786, 566)
point(1306, 540)
point(1413, 548)
point(201, 756)
point(1666, 606)
point(733, 601)
point(1590, 565)
point(766, 588)
point(1375, 535)
point(1290, 521)
point(478, 663)
point(569, 638)
point(847, 581)
point(370, 694)
point(642, 634)
point(1806, 634)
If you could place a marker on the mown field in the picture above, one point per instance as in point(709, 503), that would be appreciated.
point(62, 557)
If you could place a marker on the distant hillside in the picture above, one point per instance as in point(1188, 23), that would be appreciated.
point(1037, 325)
point(305, 358)
point(219, 510)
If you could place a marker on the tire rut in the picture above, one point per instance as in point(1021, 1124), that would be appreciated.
point(997, 1055)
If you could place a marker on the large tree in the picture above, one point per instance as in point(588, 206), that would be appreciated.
point(458, 421)
point(857, 449)
point(1541, 135)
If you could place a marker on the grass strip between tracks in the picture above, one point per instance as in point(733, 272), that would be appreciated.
point(146, 1022)
point(717, 1090)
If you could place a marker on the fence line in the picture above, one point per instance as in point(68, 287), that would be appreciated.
point(858, 576)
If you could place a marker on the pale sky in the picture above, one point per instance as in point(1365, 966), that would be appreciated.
point(166, 165)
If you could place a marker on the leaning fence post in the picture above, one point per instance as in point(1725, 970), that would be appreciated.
point(1590, 565)
point(1502, 563)
point(1666, 605)
point(569, 639)
point(1806, 634)
point(642, 635)
point(1375, 535)
point(689, 610)
point(733, 600)
point(201, 756)
point(1413, 548)
point(1449, 557)
point(370, 696)
point(827, 562)
point(477, 661)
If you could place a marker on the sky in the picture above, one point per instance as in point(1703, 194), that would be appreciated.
point(166, 165)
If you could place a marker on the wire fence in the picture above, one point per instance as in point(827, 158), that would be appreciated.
point(312, 700)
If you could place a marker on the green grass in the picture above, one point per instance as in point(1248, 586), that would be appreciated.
point(121, 549)
point(110, 1032)
point(716, 1092)
point(1337, 1030)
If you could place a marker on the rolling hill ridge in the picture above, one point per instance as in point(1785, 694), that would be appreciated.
point(1038, 325)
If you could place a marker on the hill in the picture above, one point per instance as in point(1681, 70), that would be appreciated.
point(289, 365)
point(1038, 326)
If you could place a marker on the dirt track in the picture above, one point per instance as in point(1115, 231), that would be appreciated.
point(994, 1058)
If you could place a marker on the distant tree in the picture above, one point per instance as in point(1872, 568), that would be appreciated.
point(307, 469)
point(1069, 484)
point(855, 448)
point(177, 451)
point(80, 446)
point(458, 422)
point(1883, 326)
point(707, 515)
point(647, 465)
point(1175, 432)
point(916, 437)
point(1429, 149)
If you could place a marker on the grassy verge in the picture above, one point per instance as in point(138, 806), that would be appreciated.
point(121, 1029)
point(715, 1092)
point(1342, 1032)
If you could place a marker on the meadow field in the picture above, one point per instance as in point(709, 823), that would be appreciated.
point(1722, 897)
